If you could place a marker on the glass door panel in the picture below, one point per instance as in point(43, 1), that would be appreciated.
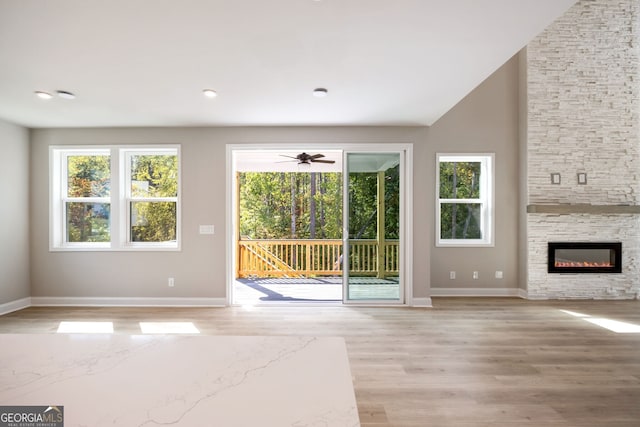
point(373, 229)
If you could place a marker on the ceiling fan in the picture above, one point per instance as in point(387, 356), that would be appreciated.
point(307, 159)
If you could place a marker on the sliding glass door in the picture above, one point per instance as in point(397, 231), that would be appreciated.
point(364, 260)
point(373, 227)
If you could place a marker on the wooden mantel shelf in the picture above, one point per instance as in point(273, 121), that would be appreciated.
point(567, 208)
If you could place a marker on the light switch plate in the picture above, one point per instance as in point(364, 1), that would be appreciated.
point(207, 229)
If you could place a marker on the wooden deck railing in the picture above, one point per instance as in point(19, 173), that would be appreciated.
point(309, 258)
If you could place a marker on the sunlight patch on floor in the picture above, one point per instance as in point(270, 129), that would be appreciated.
point(85, 328)
point(615, 326)
point(612, 325)
point(575, 314)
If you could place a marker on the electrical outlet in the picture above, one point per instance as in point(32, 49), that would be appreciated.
point(475, 275)
point(499, 274)
point(452, 275)
point(171, 282)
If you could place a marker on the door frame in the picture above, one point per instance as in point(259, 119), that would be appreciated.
point(406, 248)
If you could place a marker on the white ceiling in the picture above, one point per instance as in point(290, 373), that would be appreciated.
point(146, 62)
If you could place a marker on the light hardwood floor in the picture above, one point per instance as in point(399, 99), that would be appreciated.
point(463, 363)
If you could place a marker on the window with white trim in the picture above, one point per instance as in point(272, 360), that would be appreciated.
point(464, 200)
point(115, 198)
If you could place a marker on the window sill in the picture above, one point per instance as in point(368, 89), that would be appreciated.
point(118, 249)
point(465, 244)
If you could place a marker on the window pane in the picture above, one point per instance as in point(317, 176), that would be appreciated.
point(88, 176)
point(460, 221)
point(153, 221)
point(460, 180)
point(154, 175)
point(363, 205)
point(88, 222)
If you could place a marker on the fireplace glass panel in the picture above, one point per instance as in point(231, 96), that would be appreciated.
point(585, 257)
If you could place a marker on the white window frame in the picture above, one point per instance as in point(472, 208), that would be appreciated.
point(486, 199)
point(120, 196)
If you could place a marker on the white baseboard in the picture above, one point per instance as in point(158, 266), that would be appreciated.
point(127, 302)
point(421, 302)
point(16, 305)
point(478, 292)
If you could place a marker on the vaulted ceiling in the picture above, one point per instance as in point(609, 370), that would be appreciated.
point(146, 62)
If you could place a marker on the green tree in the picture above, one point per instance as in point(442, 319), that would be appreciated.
point(154, 187)
point(277, 205)
point(460, 180)
point(363, 204)
point(88, 177)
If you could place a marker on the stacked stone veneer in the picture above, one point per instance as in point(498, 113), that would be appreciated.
point(583, 86)
point(583, 227)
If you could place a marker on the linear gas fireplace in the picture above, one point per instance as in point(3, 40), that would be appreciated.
point(585, 257)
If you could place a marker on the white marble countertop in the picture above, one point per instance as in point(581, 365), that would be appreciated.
point(149, 380)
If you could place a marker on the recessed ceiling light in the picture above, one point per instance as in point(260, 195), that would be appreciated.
point(320, 92)
point(66, 95)
point(43, 95)
point(210, 93)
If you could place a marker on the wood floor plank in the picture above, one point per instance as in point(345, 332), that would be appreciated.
point(464, 363)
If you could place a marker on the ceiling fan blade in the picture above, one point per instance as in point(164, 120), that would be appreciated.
point(286, 161)
point(291, 157)
point(316, 156)
point(323, 161)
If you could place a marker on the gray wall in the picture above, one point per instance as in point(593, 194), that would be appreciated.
point(485, 121)
point(199, 269)
point(14, 213)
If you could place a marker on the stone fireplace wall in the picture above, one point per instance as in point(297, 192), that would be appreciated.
point(583, 87)
point(544, 228)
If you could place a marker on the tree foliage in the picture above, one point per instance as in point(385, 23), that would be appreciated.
point(154, 176)
point(460, 220)
point(88, 176)
point(278, 205)
point(154, 188)
point(363, 205)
